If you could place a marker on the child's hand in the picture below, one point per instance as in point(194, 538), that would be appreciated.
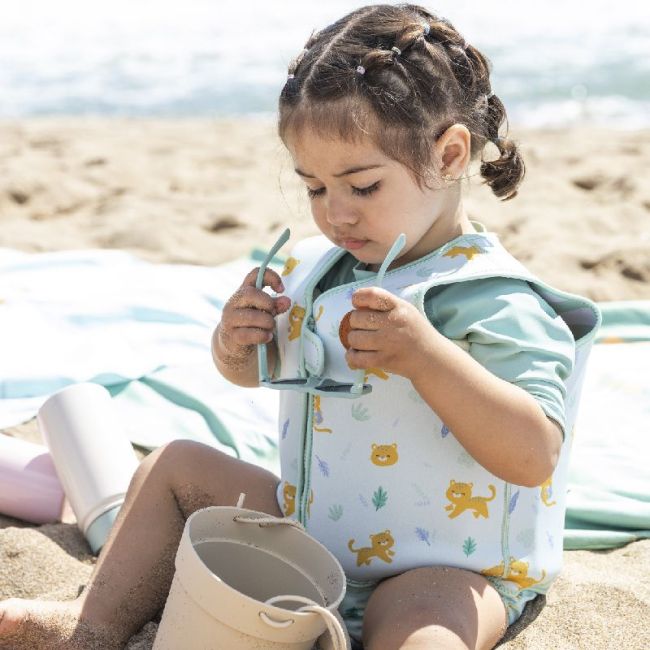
point(249, 315)
point(387, 332)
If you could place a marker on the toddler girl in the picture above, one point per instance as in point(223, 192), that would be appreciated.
point(439, 486)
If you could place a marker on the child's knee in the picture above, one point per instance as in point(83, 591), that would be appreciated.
point(171, 456)
point(446, 606)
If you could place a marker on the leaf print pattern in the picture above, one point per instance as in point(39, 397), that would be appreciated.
point(323, 466)
point(364, 503)
point(424, 499)
point(335, 512)
point(444, 432)
point(513, 502)
point(423, 535)
point(360, 412)
point(346, 451)
point(285, 428)
point(379, 498)
point(469, 546)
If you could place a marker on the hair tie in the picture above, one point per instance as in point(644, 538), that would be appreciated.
point(426, 28)
point(361, 69)
point(395, 50)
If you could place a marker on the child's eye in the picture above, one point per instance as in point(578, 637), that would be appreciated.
point(365, 191)
point(358, 191)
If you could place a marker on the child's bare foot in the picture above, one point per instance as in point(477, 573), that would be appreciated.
point(27, 624)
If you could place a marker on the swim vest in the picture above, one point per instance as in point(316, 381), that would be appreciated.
point(380, 480)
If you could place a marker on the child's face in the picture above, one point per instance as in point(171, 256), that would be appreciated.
point(361, 200)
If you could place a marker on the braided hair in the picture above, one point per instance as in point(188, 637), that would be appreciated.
point(401, 76)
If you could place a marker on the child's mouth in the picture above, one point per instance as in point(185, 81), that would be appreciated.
point(353, 244)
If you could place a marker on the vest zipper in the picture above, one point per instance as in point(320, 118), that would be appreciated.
point(505, 530)
point(308, 430)
point(302, 494)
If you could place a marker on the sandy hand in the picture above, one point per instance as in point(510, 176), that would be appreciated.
point(249, 315)
point(384, 331)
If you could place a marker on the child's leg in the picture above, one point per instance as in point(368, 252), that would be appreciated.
point(135, 568)
point(434, 607)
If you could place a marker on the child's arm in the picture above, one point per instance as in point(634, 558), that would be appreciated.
point(248, 319)
point(499, 424)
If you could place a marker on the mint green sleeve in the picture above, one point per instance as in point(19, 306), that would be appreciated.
point(510, 330)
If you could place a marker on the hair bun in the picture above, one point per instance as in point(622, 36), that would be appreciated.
point(504, 174)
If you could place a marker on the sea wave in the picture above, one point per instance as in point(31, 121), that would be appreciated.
point(554, 63)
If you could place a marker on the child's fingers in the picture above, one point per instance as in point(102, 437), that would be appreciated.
point(244, 327)
point(247, 318)
point(271, 279)
point(373, 298)
point(367, 319)
point(250, 296)
point(363, 340)
point(358, 359)
point(282, 304)
point(244, 336)
point(243, 318)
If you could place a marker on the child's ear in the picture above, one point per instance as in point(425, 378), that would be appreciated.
point(453, 150)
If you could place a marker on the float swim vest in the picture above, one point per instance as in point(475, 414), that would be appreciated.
point(380, 480)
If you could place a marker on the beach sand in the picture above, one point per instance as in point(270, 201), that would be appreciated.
point(204, 192)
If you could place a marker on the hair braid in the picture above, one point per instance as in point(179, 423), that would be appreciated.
point(504, 174)
point(472, 70)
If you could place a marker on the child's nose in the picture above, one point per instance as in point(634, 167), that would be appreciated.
point(340, 212)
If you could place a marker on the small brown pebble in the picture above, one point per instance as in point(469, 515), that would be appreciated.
point(344, 330)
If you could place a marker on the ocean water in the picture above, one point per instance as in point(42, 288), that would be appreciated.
point(557, 62)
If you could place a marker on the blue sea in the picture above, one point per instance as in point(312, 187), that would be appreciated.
point(556, 62)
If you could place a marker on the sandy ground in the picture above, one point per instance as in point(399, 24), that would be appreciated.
point(204, 192)
point(207, 191)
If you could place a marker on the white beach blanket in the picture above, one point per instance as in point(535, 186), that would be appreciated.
point(142, 330)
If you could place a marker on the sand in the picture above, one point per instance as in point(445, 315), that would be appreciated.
point(205, 191)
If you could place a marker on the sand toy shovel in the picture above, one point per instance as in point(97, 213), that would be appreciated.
point(246, 580)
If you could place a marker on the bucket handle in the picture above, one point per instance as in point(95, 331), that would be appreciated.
point(333, 624)
point(264, 522)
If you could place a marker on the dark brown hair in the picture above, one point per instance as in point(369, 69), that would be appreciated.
point(401, 76)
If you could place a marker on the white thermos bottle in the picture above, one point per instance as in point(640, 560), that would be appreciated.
point(92, 455)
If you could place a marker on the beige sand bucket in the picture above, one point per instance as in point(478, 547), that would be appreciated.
point(233, 569)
